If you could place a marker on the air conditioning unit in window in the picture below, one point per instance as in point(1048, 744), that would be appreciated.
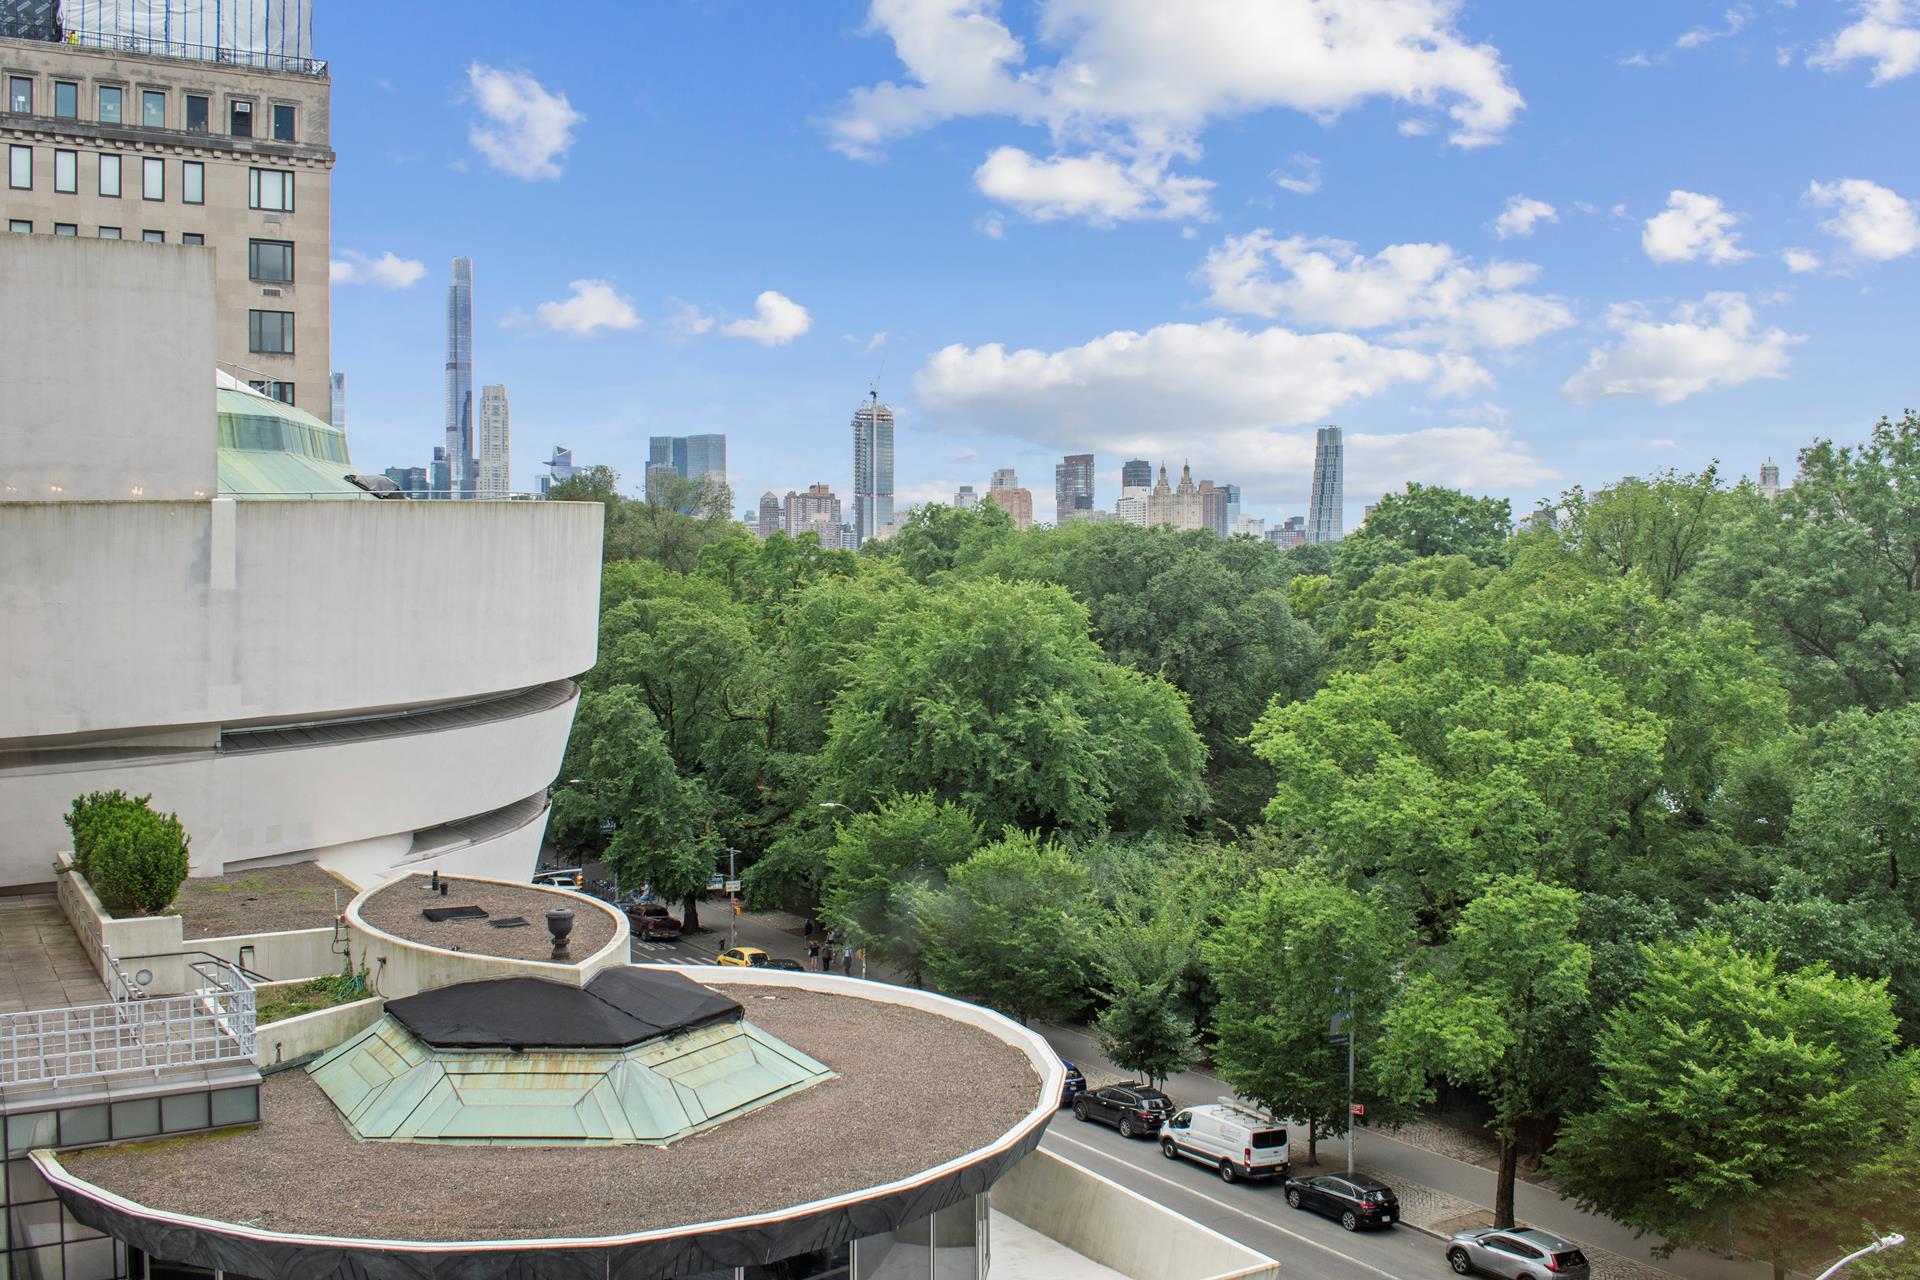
point(269, 293)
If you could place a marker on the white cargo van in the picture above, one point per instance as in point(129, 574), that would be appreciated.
point(1232, 1137)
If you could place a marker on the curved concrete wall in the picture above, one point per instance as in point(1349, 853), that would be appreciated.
point(128, 616)
point(255, 805)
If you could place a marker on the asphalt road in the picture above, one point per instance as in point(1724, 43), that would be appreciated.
point(1255, 1214)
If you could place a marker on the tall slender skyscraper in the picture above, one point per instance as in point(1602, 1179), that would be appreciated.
point(460, 459)
point(1073, 487)
point(872, 468)
point(1323, 503)
point(495, 480)
point(1137, 474)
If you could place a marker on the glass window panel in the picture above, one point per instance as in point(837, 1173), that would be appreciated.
point(36, 1224)
point(153, 109)
point(196, 113)
point(270, 331)
point(953, 1236)
point(66, 100)
point(24, 1183)
point(154, 237)
point(236, 1106)
point(65, 229)
point(109, 233)
point(270, 260)
point(192, 237)
point(20, 225)
point(20, 94)
point(137, 1117)
point(283, 124)
point(181, 1111)
point(270, 189)
point(816, 1264)
point(20, 168)
point(109, 104)
point(35, 1129)
point(66, 171)
point(81, 1125)
point(95, 1257)
point(153, 178)
point(110, 176)
point(240, 119)
point(872, 1253)
point(193, 182)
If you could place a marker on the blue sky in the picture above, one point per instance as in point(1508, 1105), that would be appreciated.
point(1507, 246)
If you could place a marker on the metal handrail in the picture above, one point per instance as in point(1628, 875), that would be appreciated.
point(140, 1034)
point(169, 48)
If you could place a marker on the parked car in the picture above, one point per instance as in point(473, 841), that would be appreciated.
point(1230, 1137)
point(1351, 1199)
point(1521, 1253)
point(791, 966)
point(651, 921)
point(1133, 1109)
point(744, 957)
point(1075, 1086)
point(561, 877)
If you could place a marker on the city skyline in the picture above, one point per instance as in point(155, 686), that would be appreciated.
point(459, 381)
point(1503, 331)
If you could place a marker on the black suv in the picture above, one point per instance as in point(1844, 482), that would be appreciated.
point(1133, 1109)
point(1353, 1199)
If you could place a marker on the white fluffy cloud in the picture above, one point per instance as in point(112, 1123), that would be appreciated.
point(593, 305)
point(1422, 292)
point(1136, 82)
point(523, 129)
point(777, 320)
point(1737, 19)
point(1715, 342)
point(1886, 33)
point(1875, 223)
point(388, 271)
point(1303, 179)
point(1174, 383)
point(1800, 261)
point(1520, 216)
point(1693, 227)
point(1095, 187)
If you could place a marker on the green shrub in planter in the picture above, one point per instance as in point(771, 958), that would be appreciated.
point(133, 857)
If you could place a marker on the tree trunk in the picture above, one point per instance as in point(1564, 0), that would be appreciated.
point(1503, 1188)
point(1779, 1266)
point(691, 912)
point(1313, 1143)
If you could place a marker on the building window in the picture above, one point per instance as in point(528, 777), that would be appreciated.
point(65, 229)
point(193, 182)
point(197, 113)
point(110, 176)
point(270, 331)
point(270, 189)
point(270, 260)
point(20, 225)
point(281, 391)
point(154, 237)
point(66, 172)
point(153, 108)
point(153, 178)
point(109, 233)
point(20, 95)
point(109, 104)
point(192, 237)
point(66, 100)
point(282, 124)
point(20, 168)
point(240, 118)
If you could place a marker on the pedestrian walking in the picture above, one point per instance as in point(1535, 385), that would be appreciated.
point(813, 949)
point(846, 959)
point(807, 933)
point(826, 960)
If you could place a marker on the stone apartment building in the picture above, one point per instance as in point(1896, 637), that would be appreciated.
point(116, 137)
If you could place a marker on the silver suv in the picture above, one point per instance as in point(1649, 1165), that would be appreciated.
point(1516, 1254)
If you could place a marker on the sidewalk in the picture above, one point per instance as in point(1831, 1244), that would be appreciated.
point(1392, 1160)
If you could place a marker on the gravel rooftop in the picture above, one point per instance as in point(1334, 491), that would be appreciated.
point(397, 909)
point(914, 1090)
point(268, 900)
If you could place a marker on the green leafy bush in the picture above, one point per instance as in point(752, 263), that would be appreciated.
point(134, 858)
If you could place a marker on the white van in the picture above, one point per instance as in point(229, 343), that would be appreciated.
point(1238, 1140)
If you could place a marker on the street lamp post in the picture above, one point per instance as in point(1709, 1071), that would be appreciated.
point(1884, 1242)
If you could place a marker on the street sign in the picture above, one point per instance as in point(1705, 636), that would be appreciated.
point(1356, 1108)
point(732, 886)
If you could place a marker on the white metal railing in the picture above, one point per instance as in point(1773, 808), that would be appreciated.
point(133, 1034)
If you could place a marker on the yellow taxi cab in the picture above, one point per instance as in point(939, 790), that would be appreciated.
point(744, 957)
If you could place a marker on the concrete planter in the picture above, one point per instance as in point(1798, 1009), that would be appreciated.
point(292, 1039)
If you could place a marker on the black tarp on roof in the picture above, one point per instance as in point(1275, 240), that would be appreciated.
point(619, 1007)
